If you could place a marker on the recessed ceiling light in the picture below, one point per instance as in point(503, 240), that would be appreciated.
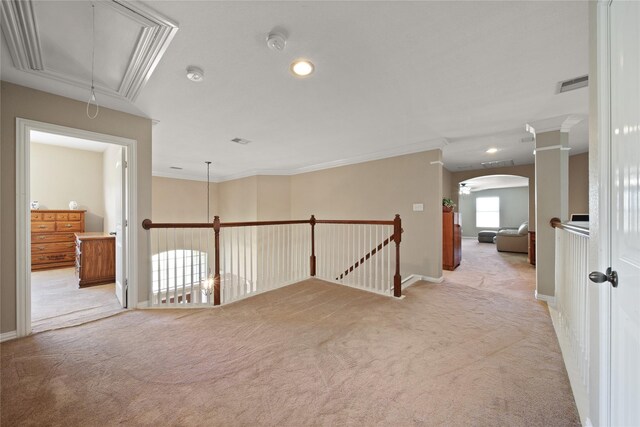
point(492, 150)
point(195, 74)
point(302, 67)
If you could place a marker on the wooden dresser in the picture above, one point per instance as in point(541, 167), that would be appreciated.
point(451, 240)
point(52, 240)
point(95, 259)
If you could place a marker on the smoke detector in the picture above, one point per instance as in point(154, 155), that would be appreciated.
point(195, 74)
point(276, 41)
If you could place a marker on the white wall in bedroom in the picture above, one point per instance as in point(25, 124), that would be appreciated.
point(514, 208)
point(60, 174)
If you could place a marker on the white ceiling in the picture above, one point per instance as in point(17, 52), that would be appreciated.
point(495, 181)
point(391, 77)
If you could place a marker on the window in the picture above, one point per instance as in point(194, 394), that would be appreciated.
point(488, 212)
point(175, 269)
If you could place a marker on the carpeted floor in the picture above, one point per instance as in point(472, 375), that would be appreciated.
point(309, 354)
point(57, 302)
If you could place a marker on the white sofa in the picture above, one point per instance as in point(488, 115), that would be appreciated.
point(511, 239)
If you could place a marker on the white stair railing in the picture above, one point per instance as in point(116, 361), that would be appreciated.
point(357, 255)
point(181, 263)
point(571, 313)
point(255, 259)
point(204, 264)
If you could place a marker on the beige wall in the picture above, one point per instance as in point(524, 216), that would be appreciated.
point(238, 199)
point(60, 174)
point(274, 198)
point(181, 200)
point(447, 178)
point(579, 183)
point(17, 101)
point(379, 190)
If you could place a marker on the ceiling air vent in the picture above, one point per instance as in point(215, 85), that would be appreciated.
point(498, 164)
point(240, 141)
point(175, 167)
point(573, 84)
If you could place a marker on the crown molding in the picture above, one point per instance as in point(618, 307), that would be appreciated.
point(562, 123)
point(378, 155)
point(21, 32)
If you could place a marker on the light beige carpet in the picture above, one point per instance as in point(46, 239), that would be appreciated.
point(56, 300)
point(308, 354)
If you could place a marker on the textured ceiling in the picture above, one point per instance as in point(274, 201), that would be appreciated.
point(391, 77)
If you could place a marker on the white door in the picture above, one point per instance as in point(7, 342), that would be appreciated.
point(121, 229)
point(624, 64)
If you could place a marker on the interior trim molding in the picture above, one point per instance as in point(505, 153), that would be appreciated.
point(23, 223)
point(6, 336)
point(21, 32)
point(413, 278)
point(546, 298)
point(378, 155)
point(24, 46)
point(552, 147)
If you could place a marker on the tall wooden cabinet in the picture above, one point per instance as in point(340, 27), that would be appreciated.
point(52, 241)
point(451, 240)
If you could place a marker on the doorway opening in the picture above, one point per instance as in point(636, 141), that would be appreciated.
point(494, 221)
point(76, 197)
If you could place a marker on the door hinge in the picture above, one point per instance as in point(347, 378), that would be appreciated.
point(126, 164)
point(126, 223)
point(126, 283)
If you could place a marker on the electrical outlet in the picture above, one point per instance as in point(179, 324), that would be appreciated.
point(418, 207)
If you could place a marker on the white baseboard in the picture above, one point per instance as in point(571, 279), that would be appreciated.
point(6, 336)
point(413, 278)
point(546, 298)
point(143, 304)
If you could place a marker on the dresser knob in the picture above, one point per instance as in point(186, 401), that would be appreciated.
point(68, 225)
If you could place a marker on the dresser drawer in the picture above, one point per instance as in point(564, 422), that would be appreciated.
point(53, 247)
point(48, 216)
point(50, 238)
point(62, 217)
point(36, 216)
point(43, 227)
point(75, 216)
point(68, 226)
point(49, 258)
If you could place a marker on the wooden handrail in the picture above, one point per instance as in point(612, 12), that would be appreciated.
point(148, 224)
point(358, 263)
point(354, 222)
point(556, 223)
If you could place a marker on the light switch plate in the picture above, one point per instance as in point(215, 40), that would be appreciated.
point(418, 207)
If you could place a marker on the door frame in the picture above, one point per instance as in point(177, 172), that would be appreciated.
point(23, 219)
point(600, 226)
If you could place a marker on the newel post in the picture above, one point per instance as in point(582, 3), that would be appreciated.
point(397, 237)
point(216, 265)
point(312, 266)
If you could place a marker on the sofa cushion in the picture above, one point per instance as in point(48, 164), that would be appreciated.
point(524, 228)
